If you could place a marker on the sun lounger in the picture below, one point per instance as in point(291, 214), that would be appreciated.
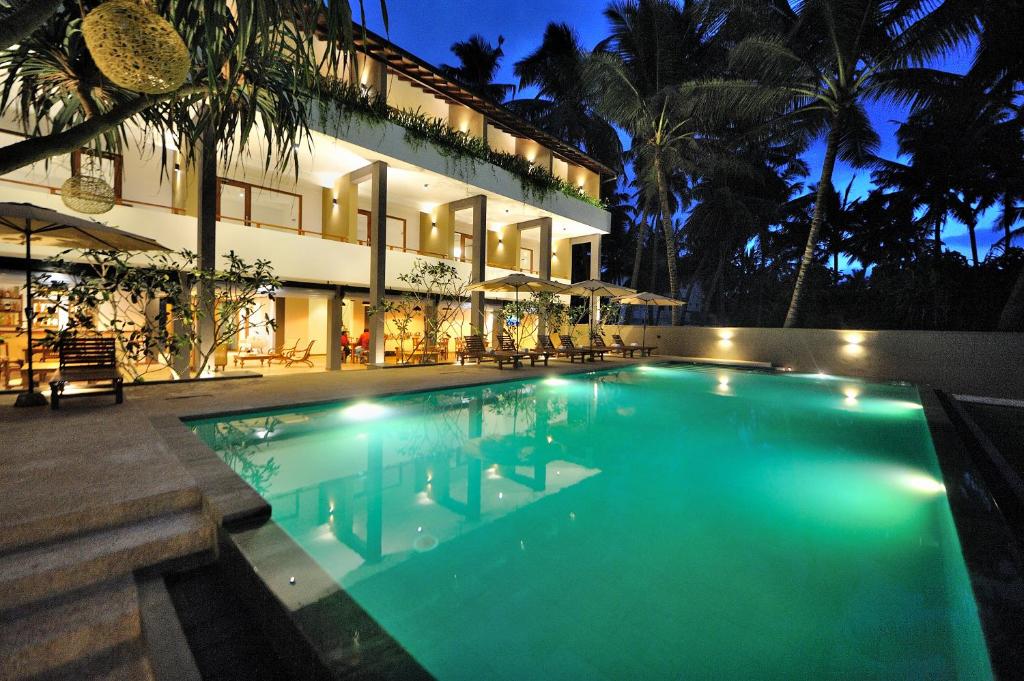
point(587, 349)
point(597, 340)
point(571, 352)
point(645, 350)
point(508, 344)
point(474, 349)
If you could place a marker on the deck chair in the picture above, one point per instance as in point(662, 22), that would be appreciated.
point(508, 344)
point(282, 354)
point(645, 350)
point(300, 357)
point(474, 349)
point(570, 351)
point(597, 340)
point(593, 351)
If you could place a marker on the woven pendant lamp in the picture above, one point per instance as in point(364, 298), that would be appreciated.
point(87, 194)
point(135, 47)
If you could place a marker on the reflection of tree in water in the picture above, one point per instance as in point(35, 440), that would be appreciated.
point(441, 428)
point(238, 442)
point(515, 402)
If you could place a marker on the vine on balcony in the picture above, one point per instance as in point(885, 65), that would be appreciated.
point(341, 101)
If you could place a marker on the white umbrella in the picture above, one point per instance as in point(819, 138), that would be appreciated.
point(647, 299)
point(595, 288)
point(25, 223)
point(517, 282)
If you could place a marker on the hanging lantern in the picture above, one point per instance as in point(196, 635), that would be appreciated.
point(87, 194)
point(135, 47)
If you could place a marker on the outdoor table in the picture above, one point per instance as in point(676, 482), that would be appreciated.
point(251, 357)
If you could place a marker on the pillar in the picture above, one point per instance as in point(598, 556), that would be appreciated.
point(206, 242)
point(335, 357)
point(377, 174)
point(478, 266)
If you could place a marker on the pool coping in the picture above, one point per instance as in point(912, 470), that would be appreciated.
point(245, 516)
point(991, 551)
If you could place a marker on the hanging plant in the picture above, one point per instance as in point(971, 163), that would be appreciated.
point(135, 47)
point(87, 194)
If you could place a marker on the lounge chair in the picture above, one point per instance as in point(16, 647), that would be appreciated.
point(300, 357)
point(508, 344)
point(597, 340)
point(474, 349)
point(560, 350)
point(282, 354)
point(587, 349)
point(87, 360)
point(645, 350)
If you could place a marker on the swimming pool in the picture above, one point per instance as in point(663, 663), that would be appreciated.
point(653, 521)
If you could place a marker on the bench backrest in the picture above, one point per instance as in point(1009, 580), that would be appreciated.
point(507, 343)
point(567, 342)
point(474, 344)
point(617, 339)
point(597, 340)
point(545, 343)
point(95, 351)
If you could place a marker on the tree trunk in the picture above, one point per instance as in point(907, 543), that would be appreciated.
point(638, 256)
point(971, 228)
point(33, 149)
point(807, 261)
point(1012, 317)
point(20, 18)
point(671, 252)
point(206, 239)
point(938, 241)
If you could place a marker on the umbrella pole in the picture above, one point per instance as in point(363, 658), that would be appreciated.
point(647, 312)
point(30, 398)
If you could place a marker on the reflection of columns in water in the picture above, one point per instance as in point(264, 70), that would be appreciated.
point(374, 497)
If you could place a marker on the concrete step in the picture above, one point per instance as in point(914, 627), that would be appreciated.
point(128, 662)
point(46, 570)
point(169, 654)
point(58, 631)
point(23, 529)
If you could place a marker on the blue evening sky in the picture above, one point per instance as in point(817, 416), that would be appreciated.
point(428, 29)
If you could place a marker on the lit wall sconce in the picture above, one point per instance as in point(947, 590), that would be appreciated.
point(177, 167)
point(334, 201)
point(499, 241)
point(433, 226)
point(854, 344)
point(725, 338)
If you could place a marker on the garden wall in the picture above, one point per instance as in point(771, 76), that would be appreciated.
point(989, 364)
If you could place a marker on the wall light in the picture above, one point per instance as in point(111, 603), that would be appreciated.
point(177, 167)
point(334, 201)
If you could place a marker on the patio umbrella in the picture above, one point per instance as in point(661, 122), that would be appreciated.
point(25, 223)
point(595, 288)
point(647, 299)
point(517, 282)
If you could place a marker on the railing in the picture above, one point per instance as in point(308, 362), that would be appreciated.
point(301, 231)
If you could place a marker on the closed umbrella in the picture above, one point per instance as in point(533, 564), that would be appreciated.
point(647, 299)
point(595, 288)
point(517, 282)
point(27, 223)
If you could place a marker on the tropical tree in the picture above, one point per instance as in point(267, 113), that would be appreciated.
point(813, 76)
point(563, 105)
point(252, 68)
point(479, 61)
point(634, 76)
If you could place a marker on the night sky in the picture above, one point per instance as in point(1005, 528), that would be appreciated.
point(428, 29)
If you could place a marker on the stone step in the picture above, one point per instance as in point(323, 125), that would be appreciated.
point(128, 662)
point(59, 631)
point(46, 570)
point(169, 654)
point(25, 530)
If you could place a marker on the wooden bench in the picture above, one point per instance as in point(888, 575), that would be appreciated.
point(474, 349)
point(87, 360)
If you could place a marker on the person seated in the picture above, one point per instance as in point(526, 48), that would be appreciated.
point(363, 348)
point(346, 348)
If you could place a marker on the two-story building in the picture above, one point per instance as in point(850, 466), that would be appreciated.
point(367, 202)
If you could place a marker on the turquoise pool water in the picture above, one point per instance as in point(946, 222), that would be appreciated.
point(649, 522)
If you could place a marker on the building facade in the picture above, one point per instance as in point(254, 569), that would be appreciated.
point(368, 200)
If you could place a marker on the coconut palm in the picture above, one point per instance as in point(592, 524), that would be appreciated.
point(814, 77)
point(562, 105)
point(253, 65)
point(478, 65)
point(634, 78)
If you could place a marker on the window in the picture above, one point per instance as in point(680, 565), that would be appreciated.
point(102, 160)
point(526, 259)
point(252, 204)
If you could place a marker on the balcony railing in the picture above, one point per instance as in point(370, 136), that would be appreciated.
point(300, 230)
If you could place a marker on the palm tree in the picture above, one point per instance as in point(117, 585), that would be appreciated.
point(479, 61)
point(563, 105)
point(814, 77)
point(254, 53)
point(634, 78)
